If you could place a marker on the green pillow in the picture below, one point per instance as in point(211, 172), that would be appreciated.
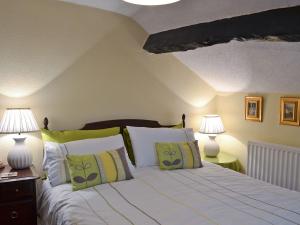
point(128, 144)
point(178, 126)
point(91, 170)
point(181, 155)
point(74, 135)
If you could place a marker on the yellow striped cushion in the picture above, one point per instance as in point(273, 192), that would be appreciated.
point(105, 167)
point(181, 155)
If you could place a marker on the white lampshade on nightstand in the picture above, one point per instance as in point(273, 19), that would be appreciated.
point(17, 121)
point(212, 125)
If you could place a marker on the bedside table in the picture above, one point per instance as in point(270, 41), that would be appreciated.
point(18, 197)
point(225, 160)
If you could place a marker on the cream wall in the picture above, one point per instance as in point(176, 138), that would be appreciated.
point(239, 131)
point(76, 64)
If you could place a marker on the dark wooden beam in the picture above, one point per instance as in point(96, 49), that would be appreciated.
point(274, 25)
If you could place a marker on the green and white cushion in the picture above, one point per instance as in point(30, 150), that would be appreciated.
point(104, 167)
point(179, 155)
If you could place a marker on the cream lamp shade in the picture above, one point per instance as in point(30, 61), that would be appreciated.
point(211, 125)
point(151, 2)
point(17, 121)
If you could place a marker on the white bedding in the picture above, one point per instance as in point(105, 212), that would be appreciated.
point(210, 195)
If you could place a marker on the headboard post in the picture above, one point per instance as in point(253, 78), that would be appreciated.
point(46, 122)
point(183, 120)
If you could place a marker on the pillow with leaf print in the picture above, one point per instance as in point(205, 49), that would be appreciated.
point(179, 155)
point(56, 165)
point(143, 141)
point(94, 169)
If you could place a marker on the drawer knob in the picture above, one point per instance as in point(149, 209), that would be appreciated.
point(14, 215)
point(17, 190)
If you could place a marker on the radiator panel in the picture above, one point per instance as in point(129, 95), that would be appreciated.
point(275, 164)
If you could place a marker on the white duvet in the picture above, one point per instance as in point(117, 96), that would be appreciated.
point(210, 195)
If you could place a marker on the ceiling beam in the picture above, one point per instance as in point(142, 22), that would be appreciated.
point(281, 24)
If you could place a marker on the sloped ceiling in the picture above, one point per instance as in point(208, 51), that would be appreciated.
point(30, 42)
point(238, 66)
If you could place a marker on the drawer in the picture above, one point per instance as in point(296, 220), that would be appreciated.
point(12, 191)
point(18, 213)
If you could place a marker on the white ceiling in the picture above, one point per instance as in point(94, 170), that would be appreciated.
point(238, 66)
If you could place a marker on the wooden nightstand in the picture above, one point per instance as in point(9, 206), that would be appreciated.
point(18, 198)
point(225, 160)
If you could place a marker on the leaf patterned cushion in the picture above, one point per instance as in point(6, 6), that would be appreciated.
point(91, 170)
point(181, 155)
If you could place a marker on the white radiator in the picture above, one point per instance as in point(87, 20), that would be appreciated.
point(276, 164)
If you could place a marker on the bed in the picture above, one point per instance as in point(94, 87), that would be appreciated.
point(208, 195)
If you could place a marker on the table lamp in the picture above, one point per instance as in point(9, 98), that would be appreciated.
point(17, 121)
point(211, 125)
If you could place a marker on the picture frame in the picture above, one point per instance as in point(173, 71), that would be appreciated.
point(254, 108)
point(290, 111)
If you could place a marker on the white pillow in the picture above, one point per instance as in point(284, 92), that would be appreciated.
point(143, 141)
point(55, 162)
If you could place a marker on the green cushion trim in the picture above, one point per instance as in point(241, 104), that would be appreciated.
point(94, 169)
point(178, 126)
point(74, 135)
point(181, 155)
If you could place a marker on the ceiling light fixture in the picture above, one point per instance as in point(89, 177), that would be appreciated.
point(151, 2)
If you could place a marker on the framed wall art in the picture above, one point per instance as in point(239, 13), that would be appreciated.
point(254, 108)
point(290, 111)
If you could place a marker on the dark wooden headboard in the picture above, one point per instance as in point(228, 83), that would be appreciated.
point(120, 123)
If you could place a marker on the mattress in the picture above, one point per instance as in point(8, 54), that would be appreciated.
point(209, 195)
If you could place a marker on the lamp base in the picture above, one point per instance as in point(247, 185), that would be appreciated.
point(19, 157)
point(211, 147)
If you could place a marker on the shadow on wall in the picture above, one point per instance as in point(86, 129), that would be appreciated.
point(116, 78)
point(36, 47)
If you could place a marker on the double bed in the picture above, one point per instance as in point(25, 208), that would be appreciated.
point(208, 195)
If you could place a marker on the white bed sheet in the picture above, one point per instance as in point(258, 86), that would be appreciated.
point(210, 195)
